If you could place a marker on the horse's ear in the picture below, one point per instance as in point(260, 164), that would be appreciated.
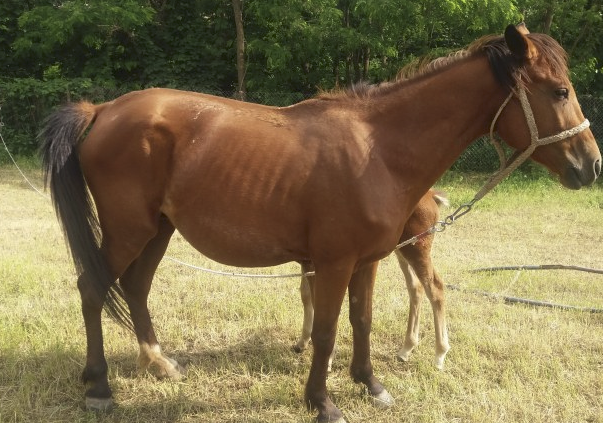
point(519, 44)
point(521, 27)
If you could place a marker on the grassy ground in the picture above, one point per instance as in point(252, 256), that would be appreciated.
point(508, 363)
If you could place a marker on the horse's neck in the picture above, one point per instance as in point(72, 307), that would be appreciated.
point(425, 125)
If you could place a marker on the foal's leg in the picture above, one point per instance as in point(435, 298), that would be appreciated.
point(306, 296)
point(420, 260)
point(361, 310)
point(136, 283)
point(329, 291)
point(305, 289)
point(415, 294)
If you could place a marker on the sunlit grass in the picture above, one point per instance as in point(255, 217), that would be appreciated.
point(508, 363)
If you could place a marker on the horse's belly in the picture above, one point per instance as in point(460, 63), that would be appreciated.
point(241, 245)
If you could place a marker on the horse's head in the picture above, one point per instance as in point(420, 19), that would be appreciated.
point(536, 65)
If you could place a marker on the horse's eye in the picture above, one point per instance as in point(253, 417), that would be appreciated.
point(562, 93)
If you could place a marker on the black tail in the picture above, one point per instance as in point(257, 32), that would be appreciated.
point(73, 205)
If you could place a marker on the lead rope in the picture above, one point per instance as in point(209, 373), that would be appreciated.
point(506, 166)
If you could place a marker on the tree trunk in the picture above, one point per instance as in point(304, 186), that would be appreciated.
point(237, 6)
point(548, 18)
point(366, 63)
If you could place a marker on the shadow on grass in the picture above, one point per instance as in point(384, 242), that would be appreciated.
point(46, 386)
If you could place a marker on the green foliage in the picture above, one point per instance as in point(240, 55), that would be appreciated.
point(25, 102)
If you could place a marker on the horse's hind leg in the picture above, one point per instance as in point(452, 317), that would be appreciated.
point(98, 395)
point(415, 294)
point(136, 283)
point(125, 234)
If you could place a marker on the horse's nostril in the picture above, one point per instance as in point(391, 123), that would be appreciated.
point(597, 168)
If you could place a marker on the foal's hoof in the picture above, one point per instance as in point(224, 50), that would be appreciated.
point(296, 348)
point(102, 405)
point(439, 363)
point(404, 355)
point(383, 400)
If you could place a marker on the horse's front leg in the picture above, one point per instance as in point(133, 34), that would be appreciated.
point(328, 293)
point(361, 304)
point(305, 289)
point(98, 394)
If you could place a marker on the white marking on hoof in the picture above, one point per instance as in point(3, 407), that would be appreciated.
point(439, 358)
point(172, 369)
point(99, 404)
point(439, 362)
point(383, 400)
point(167, 367)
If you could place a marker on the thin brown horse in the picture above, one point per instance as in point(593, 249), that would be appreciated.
point(331, 180)
point(420, 277)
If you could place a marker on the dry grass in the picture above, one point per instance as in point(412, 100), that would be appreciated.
point(508, 363)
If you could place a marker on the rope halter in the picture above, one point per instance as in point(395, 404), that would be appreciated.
point(519, 157)
point(506, 166)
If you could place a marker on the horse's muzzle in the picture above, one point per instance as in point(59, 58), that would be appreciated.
point(575, 177)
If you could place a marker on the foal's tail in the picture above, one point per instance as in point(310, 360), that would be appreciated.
point(440, 197)
point(63, 131)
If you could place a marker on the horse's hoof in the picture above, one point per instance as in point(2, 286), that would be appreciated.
point(383, 400)
point(404, 355)
point(102, 405)
point(175, 372)
point(296, 348)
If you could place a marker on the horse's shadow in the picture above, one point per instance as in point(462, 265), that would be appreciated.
point(232, 370)
point(268, 350)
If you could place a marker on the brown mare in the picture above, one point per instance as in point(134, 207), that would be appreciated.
point(331, 180)
point(419, 274)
